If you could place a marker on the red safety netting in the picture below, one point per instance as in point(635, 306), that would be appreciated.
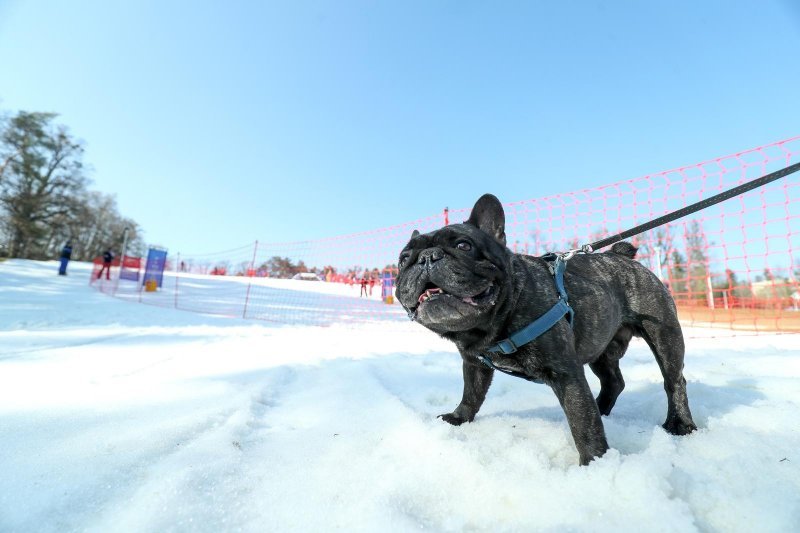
point(729, 266)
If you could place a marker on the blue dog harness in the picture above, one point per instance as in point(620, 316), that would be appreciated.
point(557, 264)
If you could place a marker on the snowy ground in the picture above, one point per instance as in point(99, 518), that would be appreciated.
point(116, 416)
point(285, 301)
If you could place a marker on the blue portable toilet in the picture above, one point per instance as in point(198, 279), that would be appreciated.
point(387, 284)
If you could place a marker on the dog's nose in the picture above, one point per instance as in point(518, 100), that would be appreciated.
point(431, 255)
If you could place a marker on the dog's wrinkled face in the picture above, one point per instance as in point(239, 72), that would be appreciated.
point(451, 279)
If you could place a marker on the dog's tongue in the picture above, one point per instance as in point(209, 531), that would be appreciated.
point(470, 299)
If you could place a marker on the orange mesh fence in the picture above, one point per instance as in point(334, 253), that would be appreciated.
point(731, 266)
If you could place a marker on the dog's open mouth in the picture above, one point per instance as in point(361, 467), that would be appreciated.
point(432, 292)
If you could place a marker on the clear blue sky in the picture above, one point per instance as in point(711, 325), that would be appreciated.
point(218, 123)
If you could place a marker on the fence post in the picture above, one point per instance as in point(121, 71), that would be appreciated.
point(710, 292)
point(250, 279)
point(121, 259)
point(659, 274)
point(177, 276)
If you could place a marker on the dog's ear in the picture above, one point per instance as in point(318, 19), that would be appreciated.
point(488, 215)
point(414, 233)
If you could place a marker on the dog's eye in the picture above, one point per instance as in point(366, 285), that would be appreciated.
point(464, 246)
point(403, 259)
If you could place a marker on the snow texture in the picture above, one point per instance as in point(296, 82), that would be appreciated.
point(116, 416)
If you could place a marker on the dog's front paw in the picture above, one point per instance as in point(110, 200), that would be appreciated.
point(677, 426)
point(451, 418)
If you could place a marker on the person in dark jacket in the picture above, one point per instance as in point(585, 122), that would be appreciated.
point(107, 258)
point(66, 255)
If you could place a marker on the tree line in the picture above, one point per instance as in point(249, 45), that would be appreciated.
point(284, 267)
point(45, 200)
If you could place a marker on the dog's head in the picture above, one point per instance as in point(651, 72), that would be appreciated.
point(454, 279)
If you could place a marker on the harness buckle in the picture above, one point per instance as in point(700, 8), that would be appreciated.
point(585, 249)
point(506, 346)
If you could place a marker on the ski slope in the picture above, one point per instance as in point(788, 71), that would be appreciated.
point(116, 416)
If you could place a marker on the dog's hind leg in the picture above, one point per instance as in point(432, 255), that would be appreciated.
point(606, 368)
point(666, 340)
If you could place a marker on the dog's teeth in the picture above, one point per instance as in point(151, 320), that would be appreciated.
point(429, 293)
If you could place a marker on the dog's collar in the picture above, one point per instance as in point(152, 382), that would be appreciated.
point(557, 263)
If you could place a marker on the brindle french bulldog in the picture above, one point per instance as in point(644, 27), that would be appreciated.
point(463, 283)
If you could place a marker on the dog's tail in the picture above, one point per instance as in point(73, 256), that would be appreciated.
point(625, 249)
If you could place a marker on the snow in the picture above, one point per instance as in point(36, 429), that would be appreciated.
point(282, 300)
point(117, 416)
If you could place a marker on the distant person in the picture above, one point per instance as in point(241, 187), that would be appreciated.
point(107, 258)
point(371, 283)
point(363, 286)
point(66, 255)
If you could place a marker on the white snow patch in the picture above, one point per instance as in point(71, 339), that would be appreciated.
point(116, 416)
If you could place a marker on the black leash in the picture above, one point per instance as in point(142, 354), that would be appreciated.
point(689, 209)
